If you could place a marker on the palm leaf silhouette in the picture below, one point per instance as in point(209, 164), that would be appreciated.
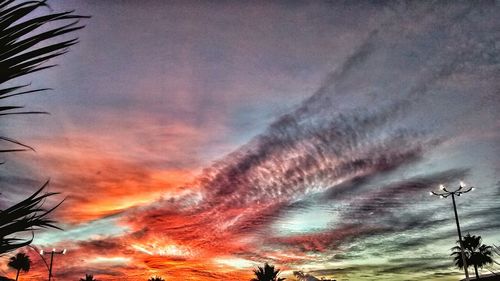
point(476, 253)
point(25, 216)
point(27, 43)
point(24, 50)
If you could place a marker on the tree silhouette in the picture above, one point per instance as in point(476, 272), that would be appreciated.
point(476, 254)
point(267, 273)
point(20, 262)
point(25, 45)
point(156, 278)
point(88, 277)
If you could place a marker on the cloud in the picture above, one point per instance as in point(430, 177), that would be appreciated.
point(292, 158)
point(361, 149)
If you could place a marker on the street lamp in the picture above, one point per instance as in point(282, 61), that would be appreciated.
point(52, 253)
point(443, 193)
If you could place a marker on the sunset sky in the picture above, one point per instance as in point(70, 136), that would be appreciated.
point(196, 140)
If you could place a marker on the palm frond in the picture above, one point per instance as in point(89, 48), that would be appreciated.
point(476, 254)
point(17, 143)
point(25, 50)
point(26, 216)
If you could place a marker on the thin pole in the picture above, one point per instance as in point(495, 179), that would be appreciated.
point(459, 238)
point(52, 259)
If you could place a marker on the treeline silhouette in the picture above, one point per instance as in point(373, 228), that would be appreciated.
point(477, 255)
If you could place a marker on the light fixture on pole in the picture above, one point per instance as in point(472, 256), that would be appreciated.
point(444, 193)
point(52, 253)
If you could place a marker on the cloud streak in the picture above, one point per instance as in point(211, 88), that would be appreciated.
point(363, 149)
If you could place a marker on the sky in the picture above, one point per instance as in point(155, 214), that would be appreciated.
point(200, 139)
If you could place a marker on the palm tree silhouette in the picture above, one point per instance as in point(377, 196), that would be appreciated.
point(267, 273)
point(20, 262)
point(476, 254)
point(88, 277)
point(156, 278)
point(25, 45)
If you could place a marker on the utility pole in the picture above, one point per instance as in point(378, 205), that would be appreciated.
point(52, 253)
point(446, 193)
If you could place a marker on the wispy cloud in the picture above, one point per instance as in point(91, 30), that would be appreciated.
point(406, 80)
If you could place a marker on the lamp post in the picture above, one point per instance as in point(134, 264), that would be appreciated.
point(52, 253)
point(443, 193)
